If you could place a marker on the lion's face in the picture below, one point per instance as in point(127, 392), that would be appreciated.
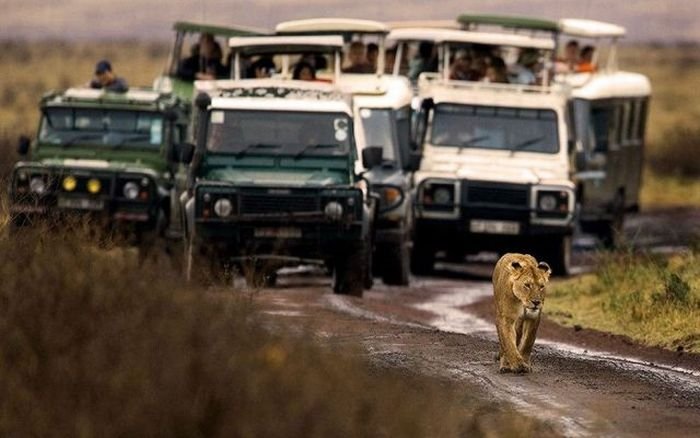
point(529, 284)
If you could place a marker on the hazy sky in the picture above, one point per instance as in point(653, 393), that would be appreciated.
point(667, 20)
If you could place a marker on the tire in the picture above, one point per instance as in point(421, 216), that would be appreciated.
point(350, 270)
point(422, 258)
point(557, 253)
point(610, 232)
point(395, 264)
point(203, 267)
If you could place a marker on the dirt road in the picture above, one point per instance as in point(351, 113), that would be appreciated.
point(582, 385)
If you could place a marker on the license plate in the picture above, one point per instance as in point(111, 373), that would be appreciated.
point(81, 203)
point(280, 233)
point(494, 227)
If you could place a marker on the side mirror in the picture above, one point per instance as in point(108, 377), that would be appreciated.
point(23, 145)
point(202, 101)
point(181, 153)
point(580, 160)
point(414, 161)
point(372, 156)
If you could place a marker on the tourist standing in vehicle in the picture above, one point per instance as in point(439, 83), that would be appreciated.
point(423, 62)
point(106, 79)
point(304, 71)
point(460, 70)
point(358, 60)
point(524, 71)
point(372, 55)
point(585, 64)
point(497, 72)
point(570, 60)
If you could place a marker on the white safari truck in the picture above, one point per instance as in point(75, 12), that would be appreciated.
point(382, 114)
point(508, 164)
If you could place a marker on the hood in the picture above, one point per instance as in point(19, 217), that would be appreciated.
point(107, 159)
point(516, 169)
point(279, 177)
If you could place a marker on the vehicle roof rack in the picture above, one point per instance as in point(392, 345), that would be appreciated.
point(226, 31)
point(460, 36)
point(333, 26)
point(509, 22)
point(134, 95)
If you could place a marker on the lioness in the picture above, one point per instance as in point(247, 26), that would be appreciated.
point(519, 290)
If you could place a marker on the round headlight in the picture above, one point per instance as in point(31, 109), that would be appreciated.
point(94, 186)
point(69, 183)
point(548, 202)
point(223, 207)
point(333, 211)
point(37, 185)
point(131, 190)
point(22, 175)
point(443, 196)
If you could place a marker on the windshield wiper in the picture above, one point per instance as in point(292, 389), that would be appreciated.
point(250, 147)
point(307, 148)
point(525, 144)
point(81, 137)
point(472, 141)
point(132, 138)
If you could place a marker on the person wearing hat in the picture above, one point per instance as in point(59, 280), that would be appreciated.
point(106, 79)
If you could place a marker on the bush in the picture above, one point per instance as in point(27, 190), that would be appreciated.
point(94, 344)
point(672, 157)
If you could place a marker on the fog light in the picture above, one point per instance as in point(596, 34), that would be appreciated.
point(37, 185)
point(69, 183)
point(131, 190)
point(333, 211)
point(548, 202)
point(223, 207)
point(94, 186)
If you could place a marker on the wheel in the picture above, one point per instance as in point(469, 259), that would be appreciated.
point(395, 264)
point(202, 266)
point(556, 251)
point(422, 258)
point(350, 270)
point(610, 232)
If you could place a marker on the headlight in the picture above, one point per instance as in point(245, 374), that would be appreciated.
point(22, 175)
point(333, 211)
point(223, 207)
point(548, 202)
point(37, 185)
point(94, 186)
point(131, 190)
point(553, 203)
point(443, 195)
point(69, 183)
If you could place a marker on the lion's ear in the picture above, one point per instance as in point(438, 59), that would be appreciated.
point(516, 265)
point(543, 266)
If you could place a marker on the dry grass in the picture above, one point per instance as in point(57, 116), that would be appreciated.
point(647, 298)
point(93, 343)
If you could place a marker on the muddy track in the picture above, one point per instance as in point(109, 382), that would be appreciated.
point(440, 326)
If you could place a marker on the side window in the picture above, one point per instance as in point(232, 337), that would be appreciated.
point(403, 128)
point(602, 124)
point(625, 122)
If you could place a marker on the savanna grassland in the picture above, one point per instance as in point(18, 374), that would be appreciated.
point(95, 341)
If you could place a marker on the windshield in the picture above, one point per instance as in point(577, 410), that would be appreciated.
point(299, 133)
point(488, 127)
point(110, 128)
point(378, 130)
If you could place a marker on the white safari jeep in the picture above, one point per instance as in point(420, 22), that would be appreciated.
point(495, 173)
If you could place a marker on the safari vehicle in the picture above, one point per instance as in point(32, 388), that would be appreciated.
point(186, 44)
point(512, 166)
point(109, 155)
point(382, 114)
point(495, 169)
point(608, 111)
point(273, 180)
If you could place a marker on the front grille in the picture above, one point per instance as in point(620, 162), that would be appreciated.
point(266, 204)
point(497, 195)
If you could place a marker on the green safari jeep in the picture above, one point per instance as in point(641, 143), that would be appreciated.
point(111, 156)
point(273, 180)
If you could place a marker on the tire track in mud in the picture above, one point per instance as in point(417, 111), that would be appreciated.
point(581, 392)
